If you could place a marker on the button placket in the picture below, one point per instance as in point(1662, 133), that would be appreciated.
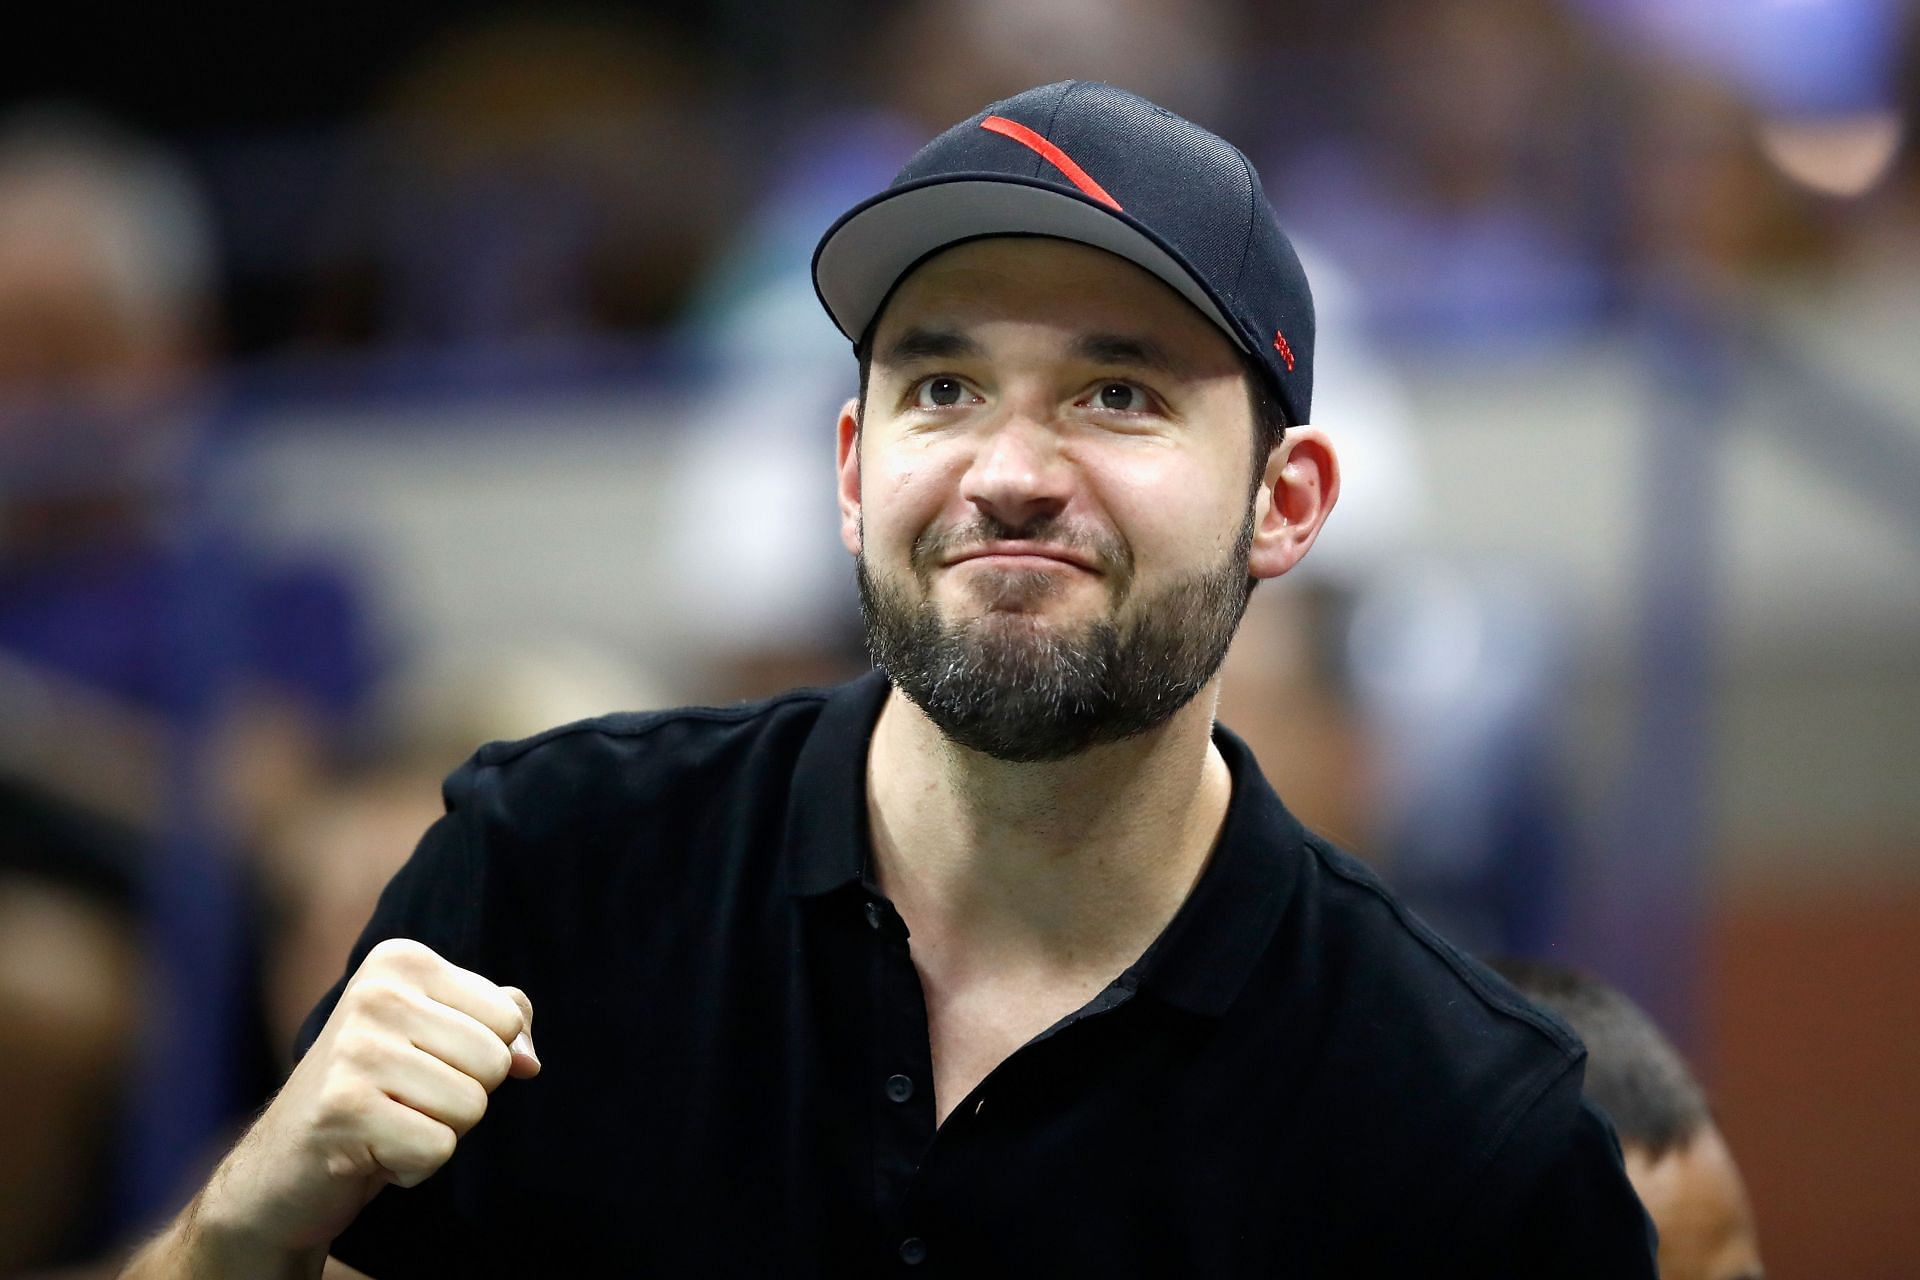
point(901, 1061)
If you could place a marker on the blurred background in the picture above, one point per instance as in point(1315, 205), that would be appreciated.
point(373, 384)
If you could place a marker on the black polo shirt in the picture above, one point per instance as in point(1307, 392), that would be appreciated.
point(1297, 1079)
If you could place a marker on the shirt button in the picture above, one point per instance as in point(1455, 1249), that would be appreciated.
point(913, 1251)
point(873, 915)
point(899, 1088)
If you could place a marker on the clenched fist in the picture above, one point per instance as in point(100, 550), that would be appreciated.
point(401, 1071)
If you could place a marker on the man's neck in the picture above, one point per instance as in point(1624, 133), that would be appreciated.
point(1070, 866)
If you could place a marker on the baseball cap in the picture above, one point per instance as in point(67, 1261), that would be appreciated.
point(1084, 161)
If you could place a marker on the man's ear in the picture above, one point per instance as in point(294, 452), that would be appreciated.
point(849, 463)
point(1297, 491)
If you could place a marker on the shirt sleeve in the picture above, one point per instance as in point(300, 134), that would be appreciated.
point(1560, 1203)
point(438, 898)
point(1585, 1219)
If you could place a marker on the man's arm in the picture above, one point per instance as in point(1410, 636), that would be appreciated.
point(401, 1071)
point(189, 1247)
point(1573, 1215)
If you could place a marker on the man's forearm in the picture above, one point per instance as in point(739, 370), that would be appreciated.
point(194, 1248)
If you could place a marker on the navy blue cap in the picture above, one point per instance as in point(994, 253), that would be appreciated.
point(1084, 161)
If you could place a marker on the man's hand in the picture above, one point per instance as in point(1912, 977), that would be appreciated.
point(399, 1074)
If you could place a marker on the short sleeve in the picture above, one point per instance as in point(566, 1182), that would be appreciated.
point(438, 898)
point(1561, 1204)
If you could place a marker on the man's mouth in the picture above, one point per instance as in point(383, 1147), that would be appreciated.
point(1024, 555)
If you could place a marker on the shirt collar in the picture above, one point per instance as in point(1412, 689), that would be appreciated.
point(1204, 957)
point(1201, 960)
point(827, 811)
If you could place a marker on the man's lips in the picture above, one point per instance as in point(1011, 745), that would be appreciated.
point(1024, 553)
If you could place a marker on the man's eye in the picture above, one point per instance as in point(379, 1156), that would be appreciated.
point(940, 392)
point(1123, 397)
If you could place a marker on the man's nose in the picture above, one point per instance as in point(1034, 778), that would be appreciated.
point(1019, 475)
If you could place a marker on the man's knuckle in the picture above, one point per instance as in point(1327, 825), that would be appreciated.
point(361, 1050)
point(403, 955)
point(369, 994)
point(404, 1158)
point(512, 1022)
point(390, 1002)
point(491, 1068)
point(470, 1107)
point(388, 950)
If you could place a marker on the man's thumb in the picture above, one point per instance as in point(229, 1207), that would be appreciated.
point(525, 1061)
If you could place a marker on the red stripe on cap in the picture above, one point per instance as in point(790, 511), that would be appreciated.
point(1051, 154)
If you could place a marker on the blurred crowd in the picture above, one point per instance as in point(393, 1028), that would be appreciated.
point(1467, 179)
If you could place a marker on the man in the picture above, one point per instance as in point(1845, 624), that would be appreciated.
point(1003, 958)
point(1675, 1154)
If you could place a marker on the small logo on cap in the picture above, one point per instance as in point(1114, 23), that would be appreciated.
point(1280, 345)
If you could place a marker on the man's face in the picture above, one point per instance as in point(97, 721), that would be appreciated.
point(1697, 1202)
point(1049, 500)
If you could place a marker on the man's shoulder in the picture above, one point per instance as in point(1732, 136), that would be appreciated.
point(1455, 1005)
point(715, 726)
point(625, 753)
point(1423, 1044)
point(1433, 1083)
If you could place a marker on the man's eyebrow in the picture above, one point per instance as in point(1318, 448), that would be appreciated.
point(929, 344)
point(1128, 349)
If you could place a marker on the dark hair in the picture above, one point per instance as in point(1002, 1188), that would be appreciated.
point(1633, 1073)
point(1269, 419)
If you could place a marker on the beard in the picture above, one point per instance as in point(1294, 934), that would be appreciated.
point(1014, 687)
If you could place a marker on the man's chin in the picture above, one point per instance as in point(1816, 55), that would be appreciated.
point(1056, 609)
point(1021, 636)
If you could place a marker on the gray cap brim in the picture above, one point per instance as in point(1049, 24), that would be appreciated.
point(863, 257)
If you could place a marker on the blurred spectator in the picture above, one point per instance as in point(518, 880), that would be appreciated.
point(1466, 192)
point(107, 262)
point(531, 176)
point(70, 997)
point(106, 325)
point(1289, 667)
point(1462, 668)
point(1675, 1154)
point(102, 271)
point(132, 643)
point(1704, 212)
point(1434, 695)
point(1879, 256)
point(1730, 118)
